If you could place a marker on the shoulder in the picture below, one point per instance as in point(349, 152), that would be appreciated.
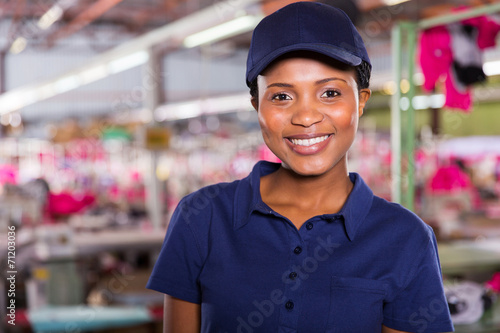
point(200, 204)
point(211, 193)
point(399, 221)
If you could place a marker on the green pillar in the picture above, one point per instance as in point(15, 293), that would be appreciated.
point(396, 115)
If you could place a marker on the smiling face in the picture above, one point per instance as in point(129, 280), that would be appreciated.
point(308, 112)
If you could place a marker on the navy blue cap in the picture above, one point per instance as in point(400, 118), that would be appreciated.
point(305, 26)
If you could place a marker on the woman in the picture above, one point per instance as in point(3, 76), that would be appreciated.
point(304, 245)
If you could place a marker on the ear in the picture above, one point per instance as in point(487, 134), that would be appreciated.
point(364, 96)
point(255, 103)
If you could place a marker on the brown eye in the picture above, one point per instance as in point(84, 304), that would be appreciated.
point(281, 97)
point(330, 93)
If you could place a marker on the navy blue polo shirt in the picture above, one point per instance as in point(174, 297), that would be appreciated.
point(372, 263)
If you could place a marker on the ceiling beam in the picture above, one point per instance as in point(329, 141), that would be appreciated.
point(83, 19)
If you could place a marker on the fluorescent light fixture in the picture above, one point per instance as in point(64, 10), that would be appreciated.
point(50, 17)
point(12, 102)
point(17, 100)
point(18, 45)
point(93, 74)
point(46, 91)
point(421, 102)
point(128, 62)
point(435, 101)
point(176, 111)
point(54, 14)
point(394, 2)
point(214, 105)
point(491, 68)
point(225, 30)
point(226, 104)
point(66, 84)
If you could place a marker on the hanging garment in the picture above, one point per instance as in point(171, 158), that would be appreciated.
point(436, 61)
point(457, 95)
point(488, 29)
point(467, 56)
point(455, 52)
point(435, 56)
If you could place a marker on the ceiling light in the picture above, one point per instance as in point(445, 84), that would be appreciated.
point(18, 45)
point(17, 100)
point(491, 68)
point(66, 84)
point(184, 110)
point(423, 102)
point(225, 30)
point(50, 17)
point(394, 2)
point(54, 14)
point(93, 74)
point(128, 62)
point(195, 108)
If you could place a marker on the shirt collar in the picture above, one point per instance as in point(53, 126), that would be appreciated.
point(247, 199)
point(357, 205)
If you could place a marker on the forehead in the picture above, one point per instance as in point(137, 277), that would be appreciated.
point(303, 61)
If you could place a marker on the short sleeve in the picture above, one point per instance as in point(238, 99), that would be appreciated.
point(421, 306)
point(179, 263)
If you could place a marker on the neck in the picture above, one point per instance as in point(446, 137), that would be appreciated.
point(326, 193)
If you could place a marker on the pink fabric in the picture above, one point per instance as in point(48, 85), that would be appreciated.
point(450, 179)
point(494, 283)
point(65, 204)
point(488, 34)
point(487, 30)
point(435, 56)
point(8, 174)
point(454, 98)
point(436, 60)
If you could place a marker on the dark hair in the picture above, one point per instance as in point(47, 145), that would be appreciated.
point(363, 74)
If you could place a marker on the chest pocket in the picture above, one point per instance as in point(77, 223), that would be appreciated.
point(356, 305)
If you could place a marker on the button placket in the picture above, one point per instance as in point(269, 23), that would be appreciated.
point(293, 291)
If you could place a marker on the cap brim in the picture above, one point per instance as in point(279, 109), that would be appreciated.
point(325, 49)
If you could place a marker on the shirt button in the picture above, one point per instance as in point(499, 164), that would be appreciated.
point(297, 250)
point(289, 305)
point(309, 225)
point(292, 275)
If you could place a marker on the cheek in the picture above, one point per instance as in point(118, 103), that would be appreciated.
point(345, 118)
point(271, 124)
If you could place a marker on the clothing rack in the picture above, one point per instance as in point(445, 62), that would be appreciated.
point(403, 145)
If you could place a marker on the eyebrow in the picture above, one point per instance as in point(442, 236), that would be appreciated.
point(280, 85)
point(328, 79)
point(322, 81)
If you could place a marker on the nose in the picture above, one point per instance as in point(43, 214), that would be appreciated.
point(306, 114)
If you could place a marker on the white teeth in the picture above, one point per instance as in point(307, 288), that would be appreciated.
point(309, 142)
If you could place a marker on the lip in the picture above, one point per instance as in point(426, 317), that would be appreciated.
point(307, 135)
point(308, 150)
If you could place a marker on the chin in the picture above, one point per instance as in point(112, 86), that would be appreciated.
point(306, 170)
